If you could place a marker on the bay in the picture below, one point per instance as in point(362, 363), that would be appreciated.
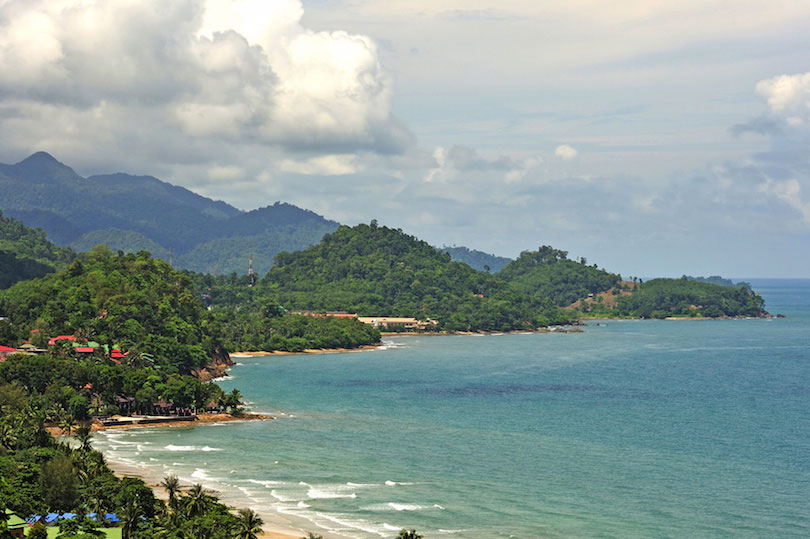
point(629, 429)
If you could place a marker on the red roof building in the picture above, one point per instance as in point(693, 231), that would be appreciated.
point(61, 338)
point(5, 351)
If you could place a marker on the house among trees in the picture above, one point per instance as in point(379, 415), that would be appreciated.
point(6, 351)
point(394, 322)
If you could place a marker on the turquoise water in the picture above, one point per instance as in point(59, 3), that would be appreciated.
point(630, 429)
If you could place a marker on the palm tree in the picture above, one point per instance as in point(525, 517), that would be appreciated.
point(409, 534)
point(83, 434)
point(196, 500)
point(8, 436)
point(172, 485)
point(311, 535)
point(130, 517)
point(249, 525)
point(66, 423)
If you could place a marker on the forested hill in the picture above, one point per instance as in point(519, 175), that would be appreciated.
point(26, 253)
point(662, 298)
point(477, 259)
point(378, 271)
point(134, 302)
point(134, 213)
point(548, 273)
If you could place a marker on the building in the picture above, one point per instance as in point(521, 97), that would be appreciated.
point(400, 323)
point(6, 351)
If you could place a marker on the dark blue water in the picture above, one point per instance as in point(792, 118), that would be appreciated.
point(630, 429)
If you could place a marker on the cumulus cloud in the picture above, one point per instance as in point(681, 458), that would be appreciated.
point(788, 96)
point(565, 152)
point(325, 165)
point(199, 72)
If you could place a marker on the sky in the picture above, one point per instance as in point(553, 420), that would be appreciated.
point(654, 138)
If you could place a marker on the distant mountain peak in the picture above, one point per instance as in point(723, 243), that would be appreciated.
point(40, 158)
point(40, 166)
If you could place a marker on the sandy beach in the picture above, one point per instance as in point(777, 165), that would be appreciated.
point(274, 527)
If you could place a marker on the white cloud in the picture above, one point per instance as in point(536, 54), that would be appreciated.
point(788, 96)
point(565, 152)
point(325, 165)
point(227, 72)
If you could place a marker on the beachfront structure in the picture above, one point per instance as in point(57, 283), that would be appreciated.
point(394, 322)
point(15, 524)
point(329, 315)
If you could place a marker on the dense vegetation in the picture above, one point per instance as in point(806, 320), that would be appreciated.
point(26, 253)
point(379, 271)
point(39, 474)
point(660, 298)
point(547, 272)
point(133, 301)
point(133, 213)
point(477, 259)
point(246, 318)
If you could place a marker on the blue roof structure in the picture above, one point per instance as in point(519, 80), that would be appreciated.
point(111, 517)
point(33, 519)
point(51, 517)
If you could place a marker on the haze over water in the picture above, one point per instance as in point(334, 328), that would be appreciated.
point(630, 429)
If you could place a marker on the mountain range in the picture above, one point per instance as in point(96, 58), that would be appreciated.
point(132, 213)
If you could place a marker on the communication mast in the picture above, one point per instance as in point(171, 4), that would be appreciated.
point(251, 275)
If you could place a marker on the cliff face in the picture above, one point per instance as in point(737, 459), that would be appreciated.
point(220, 361)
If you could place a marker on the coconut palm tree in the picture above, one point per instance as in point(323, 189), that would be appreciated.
point(130, 517)
point(172, 485)
point(196, 500)
point(83, 434)
point(249, 525)
point(409, 534)
point(66, 423)
point(311, 535)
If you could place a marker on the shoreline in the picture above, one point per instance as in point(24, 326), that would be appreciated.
point(273, 528)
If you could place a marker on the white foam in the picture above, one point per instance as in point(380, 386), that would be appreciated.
point(327, 492)
point(281, 497)
point(395, 483)
point(202, 475)
point(172, 447)
point(303, 505)
point(404, 506)
point(267, 484)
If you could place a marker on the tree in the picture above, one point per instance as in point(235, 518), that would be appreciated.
point(57, 480)
point(409, 534)
point(130, 517)
point(172, 485)
point(249, 525)
point(196, 500)
point(83, 435)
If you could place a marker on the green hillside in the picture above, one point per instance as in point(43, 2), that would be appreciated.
point(379, 271)
point(548, 272)
point(660, 298)
point(26, 253)
point(133, 213)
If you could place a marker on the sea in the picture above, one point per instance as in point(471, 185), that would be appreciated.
point(628, 429)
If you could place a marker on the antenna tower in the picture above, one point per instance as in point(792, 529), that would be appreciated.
point(251, 275)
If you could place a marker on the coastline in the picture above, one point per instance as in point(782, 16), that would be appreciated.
point(255, 353)
point(274, 526)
